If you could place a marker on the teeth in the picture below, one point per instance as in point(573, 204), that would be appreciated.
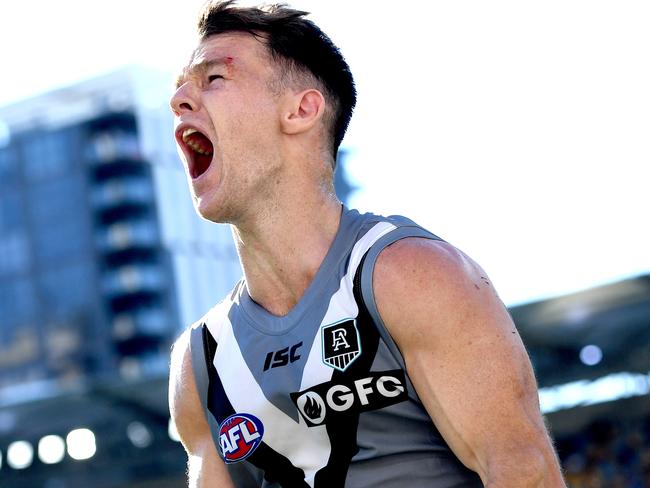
point(188, 132)
point(196, 148)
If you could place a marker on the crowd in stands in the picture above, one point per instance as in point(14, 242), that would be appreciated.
point(608, 454)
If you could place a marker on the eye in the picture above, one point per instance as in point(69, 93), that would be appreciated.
point(211, 78)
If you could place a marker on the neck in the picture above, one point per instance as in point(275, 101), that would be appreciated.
point(282, 250)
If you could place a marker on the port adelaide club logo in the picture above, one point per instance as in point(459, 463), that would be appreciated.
point(341, 344)
point(239, 436)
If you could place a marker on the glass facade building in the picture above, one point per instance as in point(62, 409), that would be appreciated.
point(102, 257)
point(103, 261)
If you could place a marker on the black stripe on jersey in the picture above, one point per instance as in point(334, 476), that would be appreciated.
point(343, 432)
point(218, 402)
point(276, 467)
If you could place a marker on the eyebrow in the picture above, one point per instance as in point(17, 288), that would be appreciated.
point(201, 67)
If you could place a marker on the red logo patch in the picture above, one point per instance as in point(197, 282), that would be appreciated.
point(239, 436)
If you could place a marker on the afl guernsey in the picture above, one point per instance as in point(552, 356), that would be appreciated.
point(320, 397)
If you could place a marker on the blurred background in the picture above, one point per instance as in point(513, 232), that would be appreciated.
point(518, 131)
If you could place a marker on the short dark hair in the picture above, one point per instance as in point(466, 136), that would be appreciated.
point(297, 43)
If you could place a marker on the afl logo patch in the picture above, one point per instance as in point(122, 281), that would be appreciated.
point(239, 436)
point(341, 344)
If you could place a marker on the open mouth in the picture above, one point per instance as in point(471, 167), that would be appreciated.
point(200, 151)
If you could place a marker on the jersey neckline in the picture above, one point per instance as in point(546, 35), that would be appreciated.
point(264, 321)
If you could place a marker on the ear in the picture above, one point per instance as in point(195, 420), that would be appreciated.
point(303, 111)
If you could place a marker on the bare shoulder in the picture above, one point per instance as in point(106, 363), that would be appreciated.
point(466, 361)
point(184, 403)
point(180, 366)
point(418, 258)
point(424, 277)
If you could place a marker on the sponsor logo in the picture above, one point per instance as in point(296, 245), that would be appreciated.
point(239, 436)
point(322, 403)
point(341, 344)
point(312, 407)
point(284, 356)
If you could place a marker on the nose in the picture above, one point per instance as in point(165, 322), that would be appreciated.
point(185, 99)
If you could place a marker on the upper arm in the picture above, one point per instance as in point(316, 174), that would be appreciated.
point(465, 359)
point(204, 464)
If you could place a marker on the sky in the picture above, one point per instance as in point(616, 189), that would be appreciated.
point(518, 131)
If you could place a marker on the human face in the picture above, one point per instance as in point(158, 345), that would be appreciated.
point(227, 126)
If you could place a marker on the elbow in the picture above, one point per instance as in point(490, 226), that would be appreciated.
point(529, 467)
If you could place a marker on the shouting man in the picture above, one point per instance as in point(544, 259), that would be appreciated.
point(358, 350)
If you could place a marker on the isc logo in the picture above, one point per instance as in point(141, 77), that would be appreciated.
point(282, 357)
point(239, 436)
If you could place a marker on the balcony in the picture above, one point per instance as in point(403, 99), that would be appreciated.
point(146, 321)
point(113, 145)
point(124, 235)
point(133, 279)
point(117, 192)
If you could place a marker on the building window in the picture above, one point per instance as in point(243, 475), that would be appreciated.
point(14, 247)
point(47, 154)
point(60, 227)
point(8, 166)
point(14, 253)
point(68, 290)
point(17, 304)
point(11, 212)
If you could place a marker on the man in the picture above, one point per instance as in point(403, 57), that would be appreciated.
point(358, 350)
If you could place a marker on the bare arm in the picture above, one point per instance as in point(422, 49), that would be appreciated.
point(205, 468)
point(466, 361)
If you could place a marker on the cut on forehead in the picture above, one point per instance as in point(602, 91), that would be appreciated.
point(209, 53)
point(201, 67)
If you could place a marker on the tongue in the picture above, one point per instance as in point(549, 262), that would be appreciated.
point(201, 164)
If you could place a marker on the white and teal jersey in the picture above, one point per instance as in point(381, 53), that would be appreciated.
point(320, 397)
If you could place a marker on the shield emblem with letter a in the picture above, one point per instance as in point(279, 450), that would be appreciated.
point(341, 344)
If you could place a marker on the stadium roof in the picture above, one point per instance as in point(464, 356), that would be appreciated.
point(615, 318)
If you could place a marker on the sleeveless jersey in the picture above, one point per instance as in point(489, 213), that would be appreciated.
point(320, 397)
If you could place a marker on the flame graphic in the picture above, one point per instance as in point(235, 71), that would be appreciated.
point(312, 409)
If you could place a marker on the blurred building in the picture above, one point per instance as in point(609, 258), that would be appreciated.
point(102, 262)
point(102, 258)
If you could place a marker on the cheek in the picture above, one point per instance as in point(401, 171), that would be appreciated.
point(258, 104)
point(244, 122)
point(255, 124)
point(260, 115)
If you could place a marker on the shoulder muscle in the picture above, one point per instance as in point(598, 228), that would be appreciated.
point(463, 355)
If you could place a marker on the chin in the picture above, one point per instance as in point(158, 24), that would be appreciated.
point(212, 212)
point(208, 214)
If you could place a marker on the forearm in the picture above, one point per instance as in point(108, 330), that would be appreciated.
point(205, 471)
point(533, 469)
point(539, 481)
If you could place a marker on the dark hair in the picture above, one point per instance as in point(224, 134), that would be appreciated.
point(296, 42)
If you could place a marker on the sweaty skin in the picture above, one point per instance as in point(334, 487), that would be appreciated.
point(271, 178)
point(205, 468)
point(471, 372)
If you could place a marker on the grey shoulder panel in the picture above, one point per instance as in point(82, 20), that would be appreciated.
point(405, 228)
